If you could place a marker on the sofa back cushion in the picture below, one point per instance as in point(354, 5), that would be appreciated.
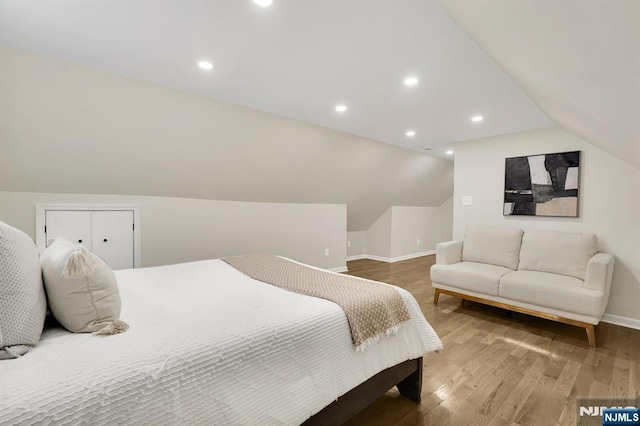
point(563, 253)
point(495, 246)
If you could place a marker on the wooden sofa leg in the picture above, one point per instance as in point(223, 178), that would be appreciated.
point(591, 335)
point(436, 295)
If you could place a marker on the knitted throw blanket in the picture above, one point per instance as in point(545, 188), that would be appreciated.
point(373, 309)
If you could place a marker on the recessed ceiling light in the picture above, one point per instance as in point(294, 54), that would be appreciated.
point(450, 152)
point(411, 81)
point(205, 65)
point(341, 108)
point(410, 133)
point(477, 118)
point(263, 3)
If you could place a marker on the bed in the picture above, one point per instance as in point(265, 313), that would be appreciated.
point(209, 345)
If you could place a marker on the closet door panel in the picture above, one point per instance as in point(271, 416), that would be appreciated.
point(73, 226)
point(112, 237)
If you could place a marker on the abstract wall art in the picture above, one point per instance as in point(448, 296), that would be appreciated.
point(542, 185)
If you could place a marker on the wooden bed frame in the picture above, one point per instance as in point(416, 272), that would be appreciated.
point(407, 376)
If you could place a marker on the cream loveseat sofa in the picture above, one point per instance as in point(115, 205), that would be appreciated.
point(554, 275)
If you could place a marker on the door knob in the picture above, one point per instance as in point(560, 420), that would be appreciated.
point(105, 240)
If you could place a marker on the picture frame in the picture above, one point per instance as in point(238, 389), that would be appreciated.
point(542, 185)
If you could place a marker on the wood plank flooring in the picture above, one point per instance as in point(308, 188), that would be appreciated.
point(500, 368)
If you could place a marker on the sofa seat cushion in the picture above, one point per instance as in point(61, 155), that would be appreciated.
point(552, 291)
point(471, 276)
point(494, 246)
point(563, 253)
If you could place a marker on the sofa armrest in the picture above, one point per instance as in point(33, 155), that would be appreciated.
point(449, 252)
point(599, 273)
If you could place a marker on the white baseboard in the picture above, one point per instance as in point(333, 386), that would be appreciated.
point(379, 258)
point(356, 257)
point(623, 321)
point(412, 256)
point(391, 259)
point(338, 269)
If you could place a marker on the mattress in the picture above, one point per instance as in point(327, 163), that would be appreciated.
point(206, 345)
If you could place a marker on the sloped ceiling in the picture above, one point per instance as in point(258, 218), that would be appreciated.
point(297, 59)
point(68, 128)
point(578, 60)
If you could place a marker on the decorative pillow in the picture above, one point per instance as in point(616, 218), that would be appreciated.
point(23, 305)
point(81, 289)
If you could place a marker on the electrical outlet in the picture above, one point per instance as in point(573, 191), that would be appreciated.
point(418, 241)
point(467, 200)
point(326, 252)
point(348, 243)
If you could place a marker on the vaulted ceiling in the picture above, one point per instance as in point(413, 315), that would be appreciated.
point(578, 60)
point(72, 129)
point(298, 59)
point(520, 65)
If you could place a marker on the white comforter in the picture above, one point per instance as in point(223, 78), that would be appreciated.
point(207, 345)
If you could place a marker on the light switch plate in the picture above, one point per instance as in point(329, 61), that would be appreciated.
point(467, 200)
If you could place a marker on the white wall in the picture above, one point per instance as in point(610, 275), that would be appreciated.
point(358, 247)
point(609, 201)
point(394, 236)
point(379, 236)
point(177, 230)
point(445, 221)
point(430, 225)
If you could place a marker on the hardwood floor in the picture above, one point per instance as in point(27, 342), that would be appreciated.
point(501, 368)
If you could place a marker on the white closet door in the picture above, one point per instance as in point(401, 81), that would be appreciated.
point(112, 237)
point(74, 226)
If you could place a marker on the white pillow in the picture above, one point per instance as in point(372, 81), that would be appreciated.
point(23, 305)
point(81, 289)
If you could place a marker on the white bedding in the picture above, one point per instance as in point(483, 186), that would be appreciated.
point(207, 345)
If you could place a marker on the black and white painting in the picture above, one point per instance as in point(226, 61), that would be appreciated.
point(542, 185)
